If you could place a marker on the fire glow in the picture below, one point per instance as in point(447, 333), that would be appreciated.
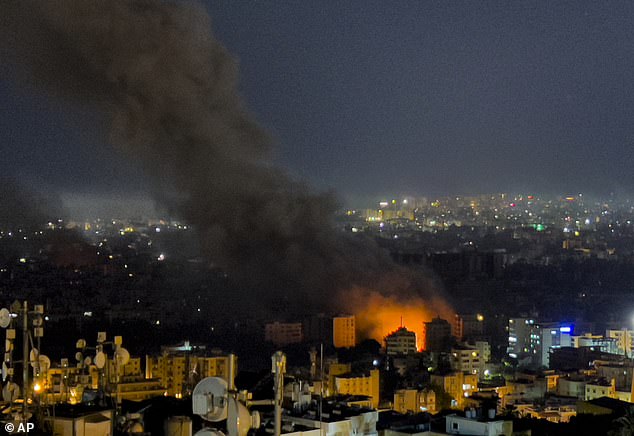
point(378, 315)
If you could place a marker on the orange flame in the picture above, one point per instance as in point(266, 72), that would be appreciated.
point(379, 315)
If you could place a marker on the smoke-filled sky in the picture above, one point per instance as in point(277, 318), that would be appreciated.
point(153, 82)
point(380, 97)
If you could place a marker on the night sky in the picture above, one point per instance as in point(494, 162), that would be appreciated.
point(377, 98)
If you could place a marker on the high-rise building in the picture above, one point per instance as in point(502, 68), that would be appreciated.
point(467, 359)
point(533, 340)
point(437, 335)
point(317, 328)
point(344, 331)
point(623, 340)
point(468, 326)
point(283, 333)
point(401, 341)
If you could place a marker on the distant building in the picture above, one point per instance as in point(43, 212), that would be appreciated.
point(178, 373)
point(335, 369)
point(317, 328)
point(455, 424)
point(359, 384)
point(282, 333)
point(344, 331)
point(572, 359)
point(595, 342)
point(622, 374)
point(457, 384)
point(466, 359)
point(468, 326)
point(623, 340)
point(484, 348)
point(400, 342)
point(533, 341)
point(336, 419)
point(600, 388)
point(437, 335)
point(523, 336)
point(414, 401)
point(572, 386)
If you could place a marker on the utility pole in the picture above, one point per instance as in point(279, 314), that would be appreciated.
point(25, 358)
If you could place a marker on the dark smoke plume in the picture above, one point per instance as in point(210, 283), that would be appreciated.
point(22, 208)
point(167, 90)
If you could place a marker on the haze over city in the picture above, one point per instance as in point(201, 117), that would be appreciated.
point(423, 213)
point(371, 100)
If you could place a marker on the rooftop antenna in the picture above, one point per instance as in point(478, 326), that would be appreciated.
point(321, 386)
point(30, 354)
point(215, 399)
point(278, 368)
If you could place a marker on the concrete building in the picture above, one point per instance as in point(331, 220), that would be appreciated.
point(466, 359)
point(179, 372)
point(595, 342)
point(414, 401)
point(522, 337)
point(437, 335)
point(600, 388)
point(554, 414)
point(623, 340)
point(457, 384)
point(572, 386)
point(620, 372)
point(492, 426)
point(317, 328)
point(484, 348)
point(359, 384)
point(88, 423)
point(283, 333)
point(533, 342)
point(344, 331)
point(138, 389)
point(336, 420)
point(524, 388)
point(468, 326)
point(400, 342)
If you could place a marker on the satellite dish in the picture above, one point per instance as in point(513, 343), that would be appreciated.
point(87, 361)
point(33, 354)
point(45, 363)
point(5, 371)
point(239, 420)
point(100, 360)
point(78, 356)
point(10, 392)
point(5, 318)
point(209, 399)
point(209, 432)
point(122, 356)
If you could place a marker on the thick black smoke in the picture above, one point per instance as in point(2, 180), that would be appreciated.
point(167, 90)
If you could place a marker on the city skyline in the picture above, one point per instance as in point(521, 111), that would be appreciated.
point(421, 215)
